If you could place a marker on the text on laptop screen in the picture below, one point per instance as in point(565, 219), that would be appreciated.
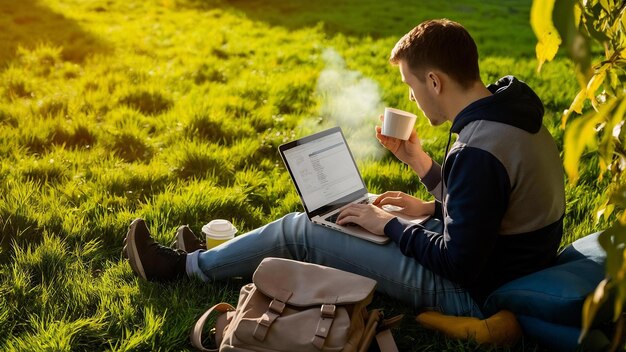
point(323, 170)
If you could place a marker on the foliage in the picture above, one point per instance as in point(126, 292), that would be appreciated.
point(172, 110)
point(594, 30)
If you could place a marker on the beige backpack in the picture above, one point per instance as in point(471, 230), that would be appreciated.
point(299, 307)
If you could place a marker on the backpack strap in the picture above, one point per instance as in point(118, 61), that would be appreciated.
point(327, 316)
point(390, 323)
point(385, 341)
point(384, 338)
point(380, 329)
point(196, 333)
point(274, 310)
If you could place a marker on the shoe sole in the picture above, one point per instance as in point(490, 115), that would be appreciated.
point(132, 252)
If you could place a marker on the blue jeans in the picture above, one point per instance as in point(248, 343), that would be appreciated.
point(295, 237)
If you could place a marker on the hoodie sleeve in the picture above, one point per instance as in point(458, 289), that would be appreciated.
point(432, 181)
point(477, 196)
point(433, 184)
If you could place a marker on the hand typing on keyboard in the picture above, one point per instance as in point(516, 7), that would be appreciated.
point(333, 218)
point(368, 216)
point(389, 207)
point(404, 203)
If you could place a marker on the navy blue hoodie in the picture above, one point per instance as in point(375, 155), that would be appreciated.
point(500, 195)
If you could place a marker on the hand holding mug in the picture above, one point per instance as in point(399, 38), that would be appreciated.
point(398, 123)
point(406, 150)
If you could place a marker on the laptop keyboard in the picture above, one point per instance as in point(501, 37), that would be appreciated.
point(333, 218)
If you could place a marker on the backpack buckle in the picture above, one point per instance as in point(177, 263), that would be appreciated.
point(328, 310)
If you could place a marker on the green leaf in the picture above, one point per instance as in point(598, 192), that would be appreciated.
point(548, 39)
point(607, 240)
point(613, 241)
point(610, 133)
point(603, 209)
point(619, 196)
point(564, 19)
point(566, 16)
point(582, 133)
point(591, 16)
point(605, 5)
point(619, 114)
point(614, 83)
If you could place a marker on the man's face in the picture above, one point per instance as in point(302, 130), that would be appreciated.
point(423, 94)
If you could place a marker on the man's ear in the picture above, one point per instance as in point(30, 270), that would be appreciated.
point(434, 81)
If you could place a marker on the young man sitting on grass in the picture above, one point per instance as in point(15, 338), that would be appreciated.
point(499, 196)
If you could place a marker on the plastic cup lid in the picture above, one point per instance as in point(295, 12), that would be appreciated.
point(219, 228)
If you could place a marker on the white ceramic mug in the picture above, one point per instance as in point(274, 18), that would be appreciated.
point(398, 123)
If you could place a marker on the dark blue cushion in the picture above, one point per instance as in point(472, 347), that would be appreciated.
point(555, 295)
point(555, 337)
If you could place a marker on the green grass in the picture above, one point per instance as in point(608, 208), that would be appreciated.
point(172, 110)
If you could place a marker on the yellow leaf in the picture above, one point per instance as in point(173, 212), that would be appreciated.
point(619, 305)
point(609, 211)
point(577, 14)
point(577, 106)
point(623, 23)
point(592, 305)
point(548, 39)
point(618, 118)
point(579, 100)
point(594, 83)
point(604, 210)
point(580, 134)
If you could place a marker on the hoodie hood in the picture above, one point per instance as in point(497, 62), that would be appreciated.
point(512, 103)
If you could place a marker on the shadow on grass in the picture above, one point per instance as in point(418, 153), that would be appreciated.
point(350, 17)
point(500, 29)
point(28, 23)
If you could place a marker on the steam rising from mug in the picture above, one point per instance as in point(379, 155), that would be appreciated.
point(351, 101)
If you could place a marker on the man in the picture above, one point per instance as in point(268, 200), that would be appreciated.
point(499, 195)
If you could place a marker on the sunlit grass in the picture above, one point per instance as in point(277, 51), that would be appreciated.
point(172, 110)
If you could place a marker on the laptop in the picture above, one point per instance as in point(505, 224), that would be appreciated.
point(326, 177)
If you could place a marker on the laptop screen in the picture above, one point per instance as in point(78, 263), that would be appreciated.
point(323, 169)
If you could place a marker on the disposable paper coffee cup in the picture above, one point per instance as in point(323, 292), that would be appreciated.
point(398, 123)
point(217, 232)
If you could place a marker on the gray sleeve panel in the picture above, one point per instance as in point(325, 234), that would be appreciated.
point(432, 180)
point(534, 168)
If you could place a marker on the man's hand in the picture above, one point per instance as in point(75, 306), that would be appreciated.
point(410, 151)
point(369, 217)
point(407, 151)
point(410, 205)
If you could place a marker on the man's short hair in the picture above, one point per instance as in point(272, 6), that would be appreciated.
point(439, 44)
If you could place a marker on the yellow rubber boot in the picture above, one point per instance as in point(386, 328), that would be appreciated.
point(500, 329)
